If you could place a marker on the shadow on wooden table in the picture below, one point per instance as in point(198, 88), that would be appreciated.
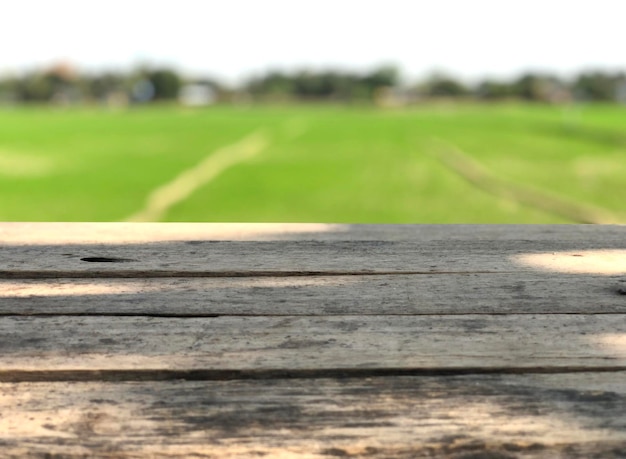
point(406, 341)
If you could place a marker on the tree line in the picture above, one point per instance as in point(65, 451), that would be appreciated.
point(64, 85)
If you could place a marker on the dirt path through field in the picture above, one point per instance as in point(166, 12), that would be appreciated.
point(476, 174)
point(161, 199)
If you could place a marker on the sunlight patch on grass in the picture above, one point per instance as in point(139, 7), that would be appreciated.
point(16, 164)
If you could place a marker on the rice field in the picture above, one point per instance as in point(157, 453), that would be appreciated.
point(439, 163)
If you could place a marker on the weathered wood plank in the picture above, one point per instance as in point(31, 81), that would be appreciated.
point(306, 258)
point(530, 416)
point(226, 346)
point(508, 320)
point(519, 293)
point(416, 249)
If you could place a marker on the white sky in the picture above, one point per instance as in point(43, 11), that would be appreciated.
point(232, 39)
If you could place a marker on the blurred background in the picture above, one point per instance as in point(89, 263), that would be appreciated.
point(331, 111)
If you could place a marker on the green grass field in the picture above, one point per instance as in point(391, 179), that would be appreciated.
point(322, 164)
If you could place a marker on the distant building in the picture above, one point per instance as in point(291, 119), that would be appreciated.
point(391, 97)
point(197, 95)
point(63, 70)
point(555, 93)
point(116, 99)
point(63, 78)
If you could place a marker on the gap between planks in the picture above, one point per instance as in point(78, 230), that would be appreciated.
point(183, 316)
point(132, 274)
point(21, 376)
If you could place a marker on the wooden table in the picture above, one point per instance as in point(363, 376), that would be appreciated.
point(213, 340)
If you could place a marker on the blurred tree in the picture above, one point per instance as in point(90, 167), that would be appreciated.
point(536, 87)
point(274, 84)
point(102, 85)
point(596, 86)
point(527, 87)
point(34, 87)
point(382, 77)
point(61, 83)
point(387, 75)
point(8, 89)
point(491, 90)
point(440, 85)
point(315, 85)
point(166, 83)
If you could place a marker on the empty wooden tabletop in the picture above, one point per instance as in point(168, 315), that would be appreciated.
point(312, 340)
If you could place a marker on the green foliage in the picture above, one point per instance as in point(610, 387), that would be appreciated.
point(493, 90)
point(166, 83)
point(445, 86)
point(275, 83)
point(35, 88)
point(315, 85)
point(597, 86)
point(147, 84)
point(534, 87)
point(100, 86)
point(381, 77)
point(324, 85)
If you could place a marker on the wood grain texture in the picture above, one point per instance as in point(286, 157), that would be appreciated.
point(313, 340)
point(414, 249)
point(302, 258)
point(518, 293)
point(504, 417)
point(232, 345)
